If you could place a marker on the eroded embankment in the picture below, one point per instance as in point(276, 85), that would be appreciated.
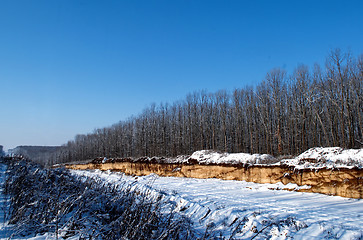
point(342, 182)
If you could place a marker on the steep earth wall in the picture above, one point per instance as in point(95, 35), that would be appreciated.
point(341, 182)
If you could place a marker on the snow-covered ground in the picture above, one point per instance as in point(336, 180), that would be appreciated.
point(318, 157)
point(330, 157)
point(211, 157)
point(239, 209)
point(6, 230)
point(247, 210)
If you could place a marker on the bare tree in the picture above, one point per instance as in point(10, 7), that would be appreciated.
point(281, 115)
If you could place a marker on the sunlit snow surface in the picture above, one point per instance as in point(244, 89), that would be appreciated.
point(241, 209)
point(317, 157)
point(222, 205)
point(329, 157)
point(211, 157)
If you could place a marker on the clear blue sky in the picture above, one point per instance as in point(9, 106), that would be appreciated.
point(70, 66)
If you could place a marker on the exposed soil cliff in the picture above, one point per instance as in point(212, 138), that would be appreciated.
point(343, 182)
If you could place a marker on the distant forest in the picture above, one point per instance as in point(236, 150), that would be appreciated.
point(282, 115)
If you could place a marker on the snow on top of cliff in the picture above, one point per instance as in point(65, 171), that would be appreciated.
point(318, 157)
point(329, 157)
point(212, 157)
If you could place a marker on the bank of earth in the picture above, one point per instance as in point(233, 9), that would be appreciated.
point(344, 182)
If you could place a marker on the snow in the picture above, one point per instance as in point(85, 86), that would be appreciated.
point(5, 228)
point(318, 157)
point(330, 157)
point(238, 209)
point(245, 210)
point(211, 157)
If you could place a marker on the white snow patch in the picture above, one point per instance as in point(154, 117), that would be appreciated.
point(330, 157)
point(212, 157)
point(242, 209)
point(318, 157)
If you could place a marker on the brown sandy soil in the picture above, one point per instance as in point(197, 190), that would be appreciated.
point(342, 182)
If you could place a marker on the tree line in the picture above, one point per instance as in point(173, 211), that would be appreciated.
point(282, 115)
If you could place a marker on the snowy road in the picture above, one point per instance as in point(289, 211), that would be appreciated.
point(222, 204)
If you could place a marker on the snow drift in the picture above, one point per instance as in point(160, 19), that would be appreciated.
point(212, 157)
point(319, 157)
point(330, 157)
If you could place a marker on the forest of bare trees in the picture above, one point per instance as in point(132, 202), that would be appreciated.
point(282, 115)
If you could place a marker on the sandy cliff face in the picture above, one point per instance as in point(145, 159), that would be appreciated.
point(341, 182)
